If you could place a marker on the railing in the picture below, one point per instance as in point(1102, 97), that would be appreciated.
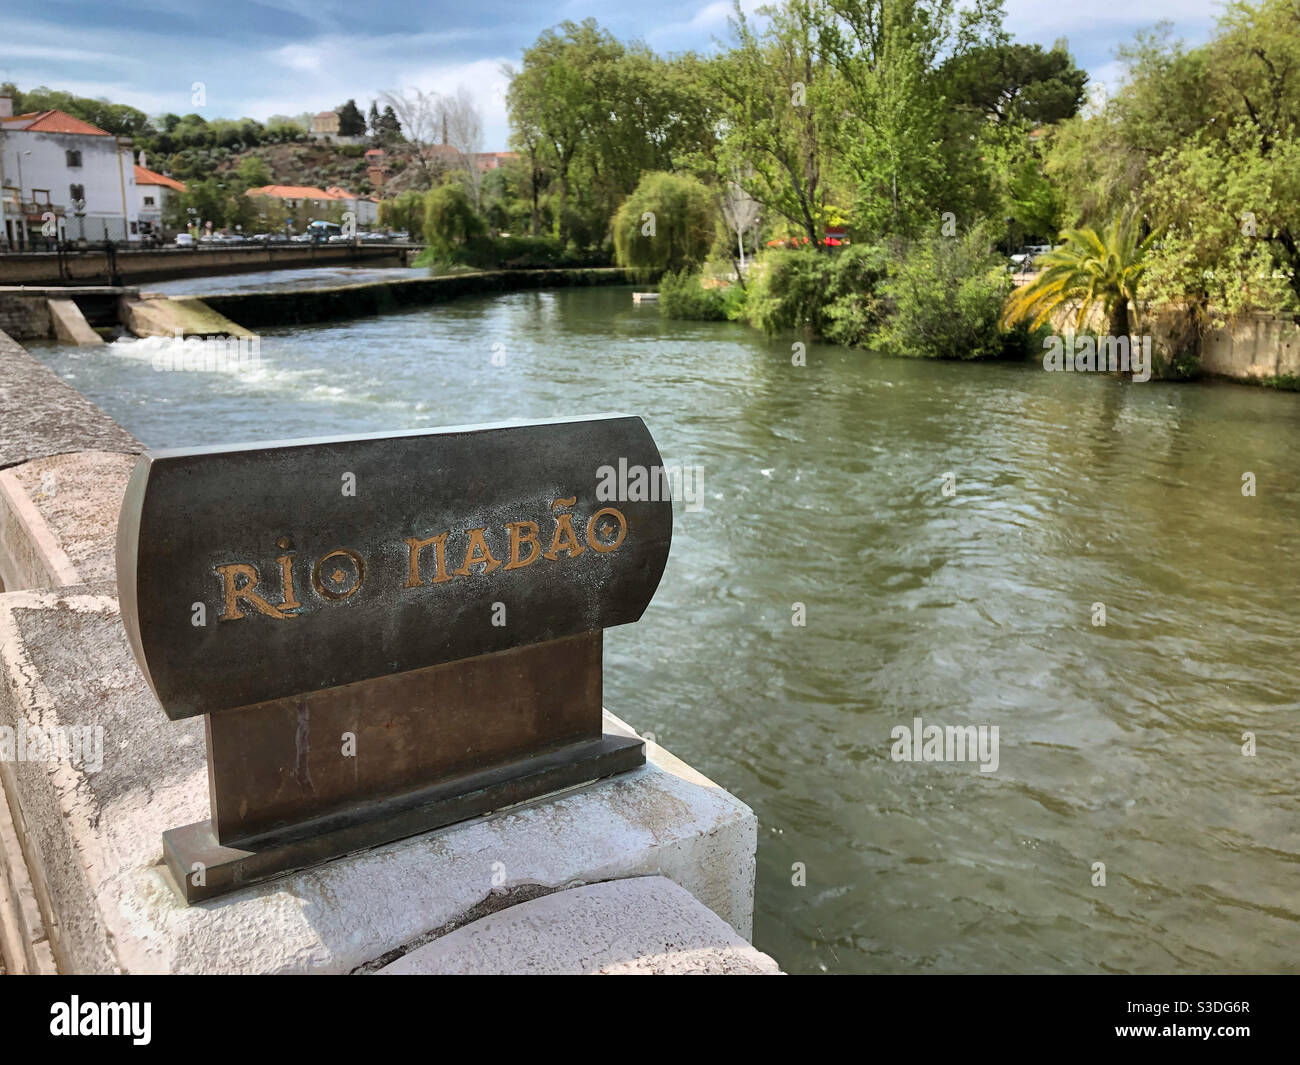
point(30, 208)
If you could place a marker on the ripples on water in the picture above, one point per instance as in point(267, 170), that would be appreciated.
point(822, 486)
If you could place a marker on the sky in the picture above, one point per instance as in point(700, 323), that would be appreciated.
point(256, 58)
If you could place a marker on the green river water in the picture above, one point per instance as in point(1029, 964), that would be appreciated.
point(823, 485)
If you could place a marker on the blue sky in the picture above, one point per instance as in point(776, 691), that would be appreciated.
point(263, 57)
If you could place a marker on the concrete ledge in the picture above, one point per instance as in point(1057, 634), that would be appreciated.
point(290, 306)
point(30, 553)
point(70, 325)
point(24, 946)
point(40, 415)
point(93, 839)
point(154, 315)
point(76, 499)
point(645, 925)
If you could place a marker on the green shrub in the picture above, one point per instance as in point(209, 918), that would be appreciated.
point(787, 291)
point(513, 253)
point(946, 295)
point(855, 309)
point(1287, 382)
point(683, 296)
point(830, 295)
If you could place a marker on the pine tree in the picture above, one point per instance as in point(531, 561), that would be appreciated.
point(351, 122)
point(390, 129)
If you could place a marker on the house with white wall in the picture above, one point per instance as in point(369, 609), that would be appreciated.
point(62, 177)
point(364, 210)
point(154, 193)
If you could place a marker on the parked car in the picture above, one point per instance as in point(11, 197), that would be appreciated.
point(1023, 260)
point(184, 240)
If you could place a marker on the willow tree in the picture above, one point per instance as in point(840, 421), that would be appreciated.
point(668, 223)
point(449, 219)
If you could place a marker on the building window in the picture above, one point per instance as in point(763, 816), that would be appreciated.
point(148, 201)
point(77, 192)
point(135, 227)
point(74, 157)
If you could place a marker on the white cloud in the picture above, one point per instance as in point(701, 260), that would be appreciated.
point(299, 57)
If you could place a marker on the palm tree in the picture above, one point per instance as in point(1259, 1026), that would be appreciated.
point(1088, 270)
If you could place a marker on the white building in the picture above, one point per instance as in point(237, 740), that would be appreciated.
point(325, 127)
point(62, 177)
point(154, 194)
point(365, 210)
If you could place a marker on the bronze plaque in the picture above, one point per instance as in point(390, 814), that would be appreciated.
point(389, 632)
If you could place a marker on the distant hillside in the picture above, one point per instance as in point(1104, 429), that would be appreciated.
point(310, 163)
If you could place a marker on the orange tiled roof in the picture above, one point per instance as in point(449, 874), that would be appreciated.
point(293, 192)
point(53, 122)
point(150, 177)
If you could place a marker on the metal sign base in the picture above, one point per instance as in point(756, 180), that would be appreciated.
point(203, 868)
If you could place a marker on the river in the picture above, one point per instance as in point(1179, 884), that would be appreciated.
point(824, 484)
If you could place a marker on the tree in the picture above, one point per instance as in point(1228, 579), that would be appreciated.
point(526, 135)
point(351, 122)
point(553, 95)
point(463, 126)
point(741, 212)
point(910, 156)
point(1231, 191)
point(390, 128)
point(253, 172)
point(1204, 146)
point(771, 89)
point(373, 119)
point(1016, 83)
point(1090, 271)
point(1101, 164)
point(449, 220)
point(420, 115)
point(668, 223)
point(405, 211)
